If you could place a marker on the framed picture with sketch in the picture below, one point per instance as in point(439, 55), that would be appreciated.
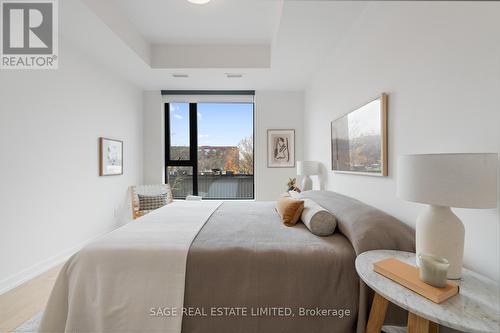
point(110, 157)
point(280, 148)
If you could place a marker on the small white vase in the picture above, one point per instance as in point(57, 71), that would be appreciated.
point(441, 233)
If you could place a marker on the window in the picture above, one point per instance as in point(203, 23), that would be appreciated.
point(210, 149)
point(179, 133)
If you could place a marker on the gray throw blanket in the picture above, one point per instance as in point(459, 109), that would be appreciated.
point(245, 258)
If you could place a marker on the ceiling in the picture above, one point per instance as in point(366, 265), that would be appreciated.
point(217, 22)
point(274, 44)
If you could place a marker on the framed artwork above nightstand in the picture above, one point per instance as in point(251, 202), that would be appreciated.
point(280, 148)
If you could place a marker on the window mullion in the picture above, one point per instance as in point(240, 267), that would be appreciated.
point(193, 142)
point(167, 136)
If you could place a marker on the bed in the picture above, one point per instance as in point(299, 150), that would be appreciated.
point(224, 267)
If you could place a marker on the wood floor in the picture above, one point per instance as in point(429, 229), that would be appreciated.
point(25, 301)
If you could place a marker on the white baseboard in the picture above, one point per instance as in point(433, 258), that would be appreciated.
point(43, 266)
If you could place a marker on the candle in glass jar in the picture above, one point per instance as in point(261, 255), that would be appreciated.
point(433, 269)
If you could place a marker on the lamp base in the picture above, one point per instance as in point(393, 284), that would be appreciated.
point(306, 183)
point(440, 232)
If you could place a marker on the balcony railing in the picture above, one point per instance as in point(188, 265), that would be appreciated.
point(214, 186)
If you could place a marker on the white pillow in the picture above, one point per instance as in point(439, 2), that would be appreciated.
point(317, 219)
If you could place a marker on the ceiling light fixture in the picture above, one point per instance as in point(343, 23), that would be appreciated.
point(199, 2)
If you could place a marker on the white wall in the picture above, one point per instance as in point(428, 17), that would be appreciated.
point(440, 64)
point(273, 109)
point(51, 197)
point(154, 134)
point(276, 110)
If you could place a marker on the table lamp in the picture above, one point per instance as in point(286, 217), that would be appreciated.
point(307, 169)
point(443, 181)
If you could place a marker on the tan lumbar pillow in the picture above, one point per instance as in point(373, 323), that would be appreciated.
point(289, 210)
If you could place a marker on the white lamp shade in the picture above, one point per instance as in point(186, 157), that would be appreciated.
point(307, 168)
point(451, 180)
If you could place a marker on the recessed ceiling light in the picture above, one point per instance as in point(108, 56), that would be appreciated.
point(199, 2)
point(180, 75)
point(233, 75)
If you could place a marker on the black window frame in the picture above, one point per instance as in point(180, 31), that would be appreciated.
point(193, 146)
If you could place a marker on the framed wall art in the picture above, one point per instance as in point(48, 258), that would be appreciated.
point(110, 157)
point(280, 148)
point(359, 139)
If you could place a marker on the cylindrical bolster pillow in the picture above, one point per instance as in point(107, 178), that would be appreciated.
point(317, 219)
